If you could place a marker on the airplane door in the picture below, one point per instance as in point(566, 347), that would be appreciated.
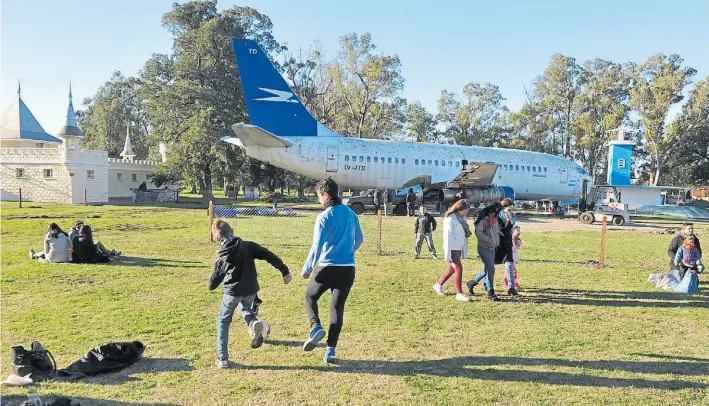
point(563, 175)
point(332, 159)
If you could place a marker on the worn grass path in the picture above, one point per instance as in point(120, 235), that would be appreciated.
point(578, 335)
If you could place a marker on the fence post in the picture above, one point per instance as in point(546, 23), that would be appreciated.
point(211, 219)
point(86, 203)
point(379, 232)
point(602, 259)
point(20, 197)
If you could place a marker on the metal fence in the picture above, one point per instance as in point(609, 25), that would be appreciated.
point(155, 195)
point(394, 235)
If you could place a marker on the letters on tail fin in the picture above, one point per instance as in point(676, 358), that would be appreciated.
point(271, 103)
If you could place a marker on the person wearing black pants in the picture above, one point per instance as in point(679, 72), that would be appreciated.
point(339, 280)
point(336, 236)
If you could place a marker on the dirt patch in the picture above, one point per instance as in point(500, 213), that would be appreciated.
point(74, 281)
point(45, 216)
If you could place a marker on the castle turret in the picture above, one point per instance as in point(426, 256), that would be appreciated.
point(128, 153)
point(70, 133)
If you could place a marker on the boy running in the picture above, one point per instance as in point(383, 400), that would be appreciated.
point(235, 266)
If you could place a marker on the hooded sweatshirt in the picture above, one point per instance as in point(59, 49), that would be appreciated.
point(235, 266)
point(676, 244)
point(488, 233)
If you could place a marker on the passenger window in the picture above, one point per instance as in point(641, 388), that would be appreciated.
point(450, 163)
point(376, 159)
point(528, 168)
point(369, 159)
point(389, 160)
point(516, 167)
point(396, 160)
point(443, 163)
point(416, 161)
point(504, 166)
point(423, 162)
point(430, 162)
point(403, 161)
point(545, 169)
point(347, 157)
point(457, 164)
point(383, 160)
point(361, 158)
point(435, 162)
point(534, 169)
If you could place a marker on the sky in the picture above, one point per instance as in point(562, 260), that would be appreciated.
point(442, 45)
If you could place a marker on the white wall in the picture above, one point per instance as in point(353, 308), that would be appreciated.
point(121, 188)
point(636, 197)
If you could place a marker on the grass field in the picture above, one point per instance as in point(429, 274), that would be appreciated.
point(578, 335)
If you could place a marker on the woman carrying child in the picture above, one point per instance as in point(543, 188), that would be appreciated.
point(455, 246)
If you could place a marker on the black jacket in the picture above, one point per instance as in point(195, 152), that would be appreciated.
point(84, 251)
point(105, 358)
point(503, 252)
point(411, 198)
point(676, 244)
point(235, 266)
point(424, 224)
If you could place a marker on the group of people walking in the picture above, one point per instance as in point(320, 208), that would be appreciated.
point(77, 246)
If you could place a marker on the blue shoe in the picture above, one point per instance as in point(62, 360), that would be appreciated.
point(329, 355)
point(316, 334)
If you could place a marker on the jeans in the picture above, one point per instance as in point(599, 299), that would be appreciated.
point(510, 273)
point(488, 273)
point(339, 280)
point(429, 240)
point(229, 304)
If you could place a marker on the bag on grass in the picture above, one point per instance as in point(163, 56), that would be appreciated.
point(38, 363)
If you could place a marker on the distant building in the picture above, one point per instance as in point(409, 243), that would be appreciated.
point(56, 169)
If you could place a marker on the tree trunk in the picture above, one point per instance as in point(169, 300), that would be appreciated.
point(207, 175)
point(225, 184)
point(301, 192)
point(194, 188)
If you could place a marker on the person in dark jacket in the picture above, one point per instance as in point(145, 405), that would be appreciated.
point(376, 202)
point(386, 199)
point(503, 253)
point(234, 265)
point(410, 201)
point(85, 251)
point(676, 244)
point(424, 226)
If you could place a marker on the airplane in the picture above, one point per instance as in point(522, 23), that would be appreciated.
point(284, 134)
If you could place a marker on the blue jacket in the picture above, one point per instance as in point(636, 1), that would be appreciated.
point(336, 237)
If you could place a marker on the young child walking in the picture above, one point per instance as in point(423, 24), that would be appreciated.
point(516, 245)
point(455, 246)
point(235, 266)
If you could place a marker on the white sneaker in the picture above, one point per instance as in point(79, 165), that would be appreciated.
point(256, 332)
point(461, 297)
point(222, 363)
point(438, 289)
point(31, 254)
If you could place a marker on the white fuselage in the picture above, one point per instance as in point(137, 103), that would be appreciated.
point(359, 163)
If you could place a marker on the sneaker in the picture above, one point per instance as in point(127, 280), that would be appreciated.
point(512, 292)
point(329, 355)
point(222, 363)
point(491, 296)
point(461, 297)
point(471, 285)
point(317, 333)
point(31, 254)
point(256, 332)
point(416, 257)
point(438, 289)
point(434, 256)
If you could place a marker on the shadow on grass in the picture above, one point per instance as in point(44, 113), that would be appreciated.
point(15, 400)
point(155, 262)
point(613, 298)
point(466, 367)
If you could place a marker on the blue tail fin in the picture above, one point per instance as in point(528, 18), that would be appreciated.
point(271, 103)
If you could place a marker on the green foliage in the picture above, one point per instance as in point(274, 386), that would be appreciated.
point(106, 115)
point(420, 124)
point(479, 118)
point(659, 83)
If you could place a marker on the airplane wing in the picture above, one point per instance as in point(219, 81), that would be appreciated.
point(477, 174)
point(248, 135)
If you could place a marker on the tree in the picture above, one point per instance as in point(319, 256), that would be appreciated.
point(480, 119)
point(601, 105)
point(689, 153)
point(557, 89)
point(194, 94)
point(421, 125)
point(369, 85)
point(659, 83)
point(116, 105)
point(531, 127)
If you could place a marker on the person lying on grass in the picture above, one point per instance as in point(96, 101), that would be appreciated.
point(234, 265)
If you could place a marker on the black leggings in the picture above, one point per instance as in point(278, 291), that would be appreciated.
point(339, 280)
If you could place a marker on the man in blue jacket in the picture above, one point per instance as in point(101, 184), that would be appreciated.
point(336, 237)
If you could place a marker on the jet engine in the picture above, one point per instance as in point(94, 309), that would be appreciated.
point(478, 195)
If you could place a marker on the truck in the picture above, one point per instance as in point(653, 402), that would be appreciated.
point(602, 201)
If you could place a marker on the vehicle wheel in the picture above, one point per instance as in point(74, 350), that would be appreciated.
point(357, 208)
point(587, 218)
point(618, 220)
point(400, 209)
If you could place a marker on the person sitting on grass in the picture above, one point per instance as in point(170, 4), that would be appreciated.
point(56, 246)
point(234, 265)
point(85, 251)
point(75, 228)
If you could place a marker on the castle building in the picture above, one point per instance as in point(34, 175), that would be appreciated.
point(46, 168)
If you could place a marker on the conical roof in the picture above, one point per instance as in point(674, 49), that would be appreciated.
point(71, 128)
point(128, 148)
point(19, 123)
